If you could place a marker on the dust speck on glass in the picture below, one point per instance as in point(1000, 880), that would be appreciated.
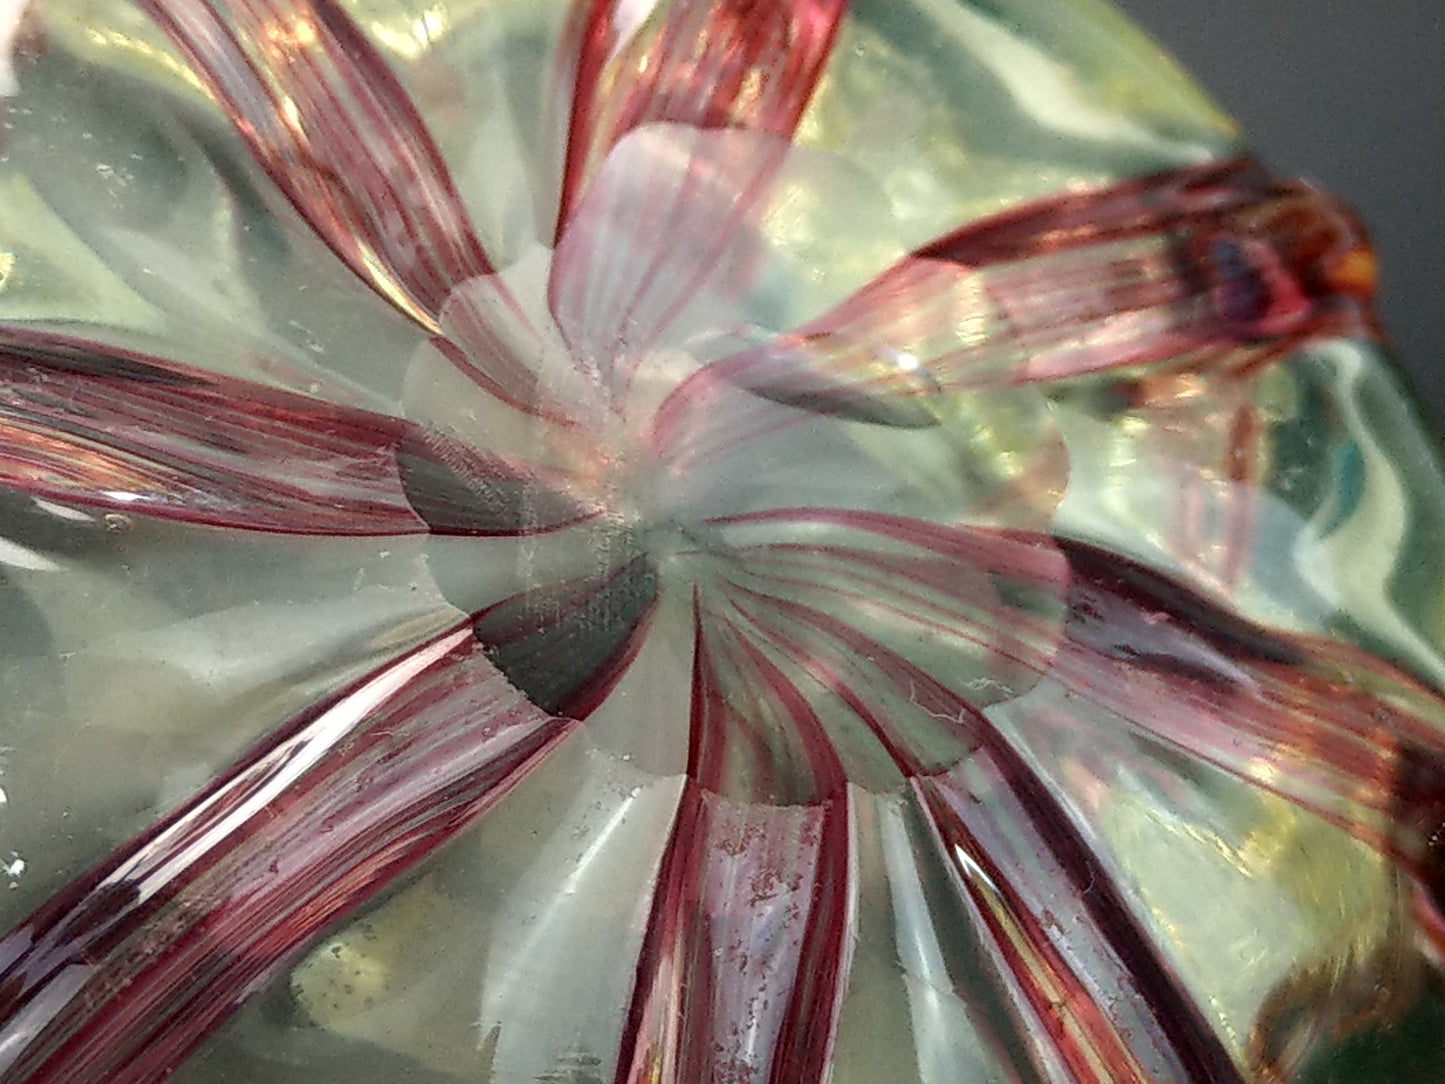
point(703, 542)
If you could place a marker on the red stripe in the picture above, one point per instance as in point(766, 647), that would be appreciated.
point(121, 975)
point(85, 423)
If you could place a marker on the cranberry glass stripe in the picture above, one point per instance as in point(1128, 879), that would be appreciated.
point(117, 978)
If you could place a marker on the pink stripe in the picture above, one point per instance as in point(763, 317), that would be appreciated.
point(1205, 266)
point(1024, 555)
point(678, 126)
point(1326, 726)
point(357, 163)
point(85, 423)
point(1113, 1011)
point(743, 969)
point(117, 978)
point(1118, 1015)
point(746, 64)
point(1082, 968)
point(668, 226)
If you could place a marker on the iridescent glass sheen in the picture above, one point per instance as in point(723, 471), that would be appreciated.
point(654, 540)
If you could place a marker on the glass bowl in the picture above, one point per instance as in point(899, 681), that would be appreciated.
point(698, 542)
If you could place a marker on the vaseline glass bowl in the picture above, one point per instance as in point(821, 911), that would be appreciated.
point(648, 540)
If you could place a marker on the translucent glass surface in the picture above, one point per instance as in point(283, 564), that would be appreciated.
point(689, 542)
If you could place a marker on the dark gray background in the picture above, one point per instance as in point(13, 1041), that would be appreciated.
point(1349, 94)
